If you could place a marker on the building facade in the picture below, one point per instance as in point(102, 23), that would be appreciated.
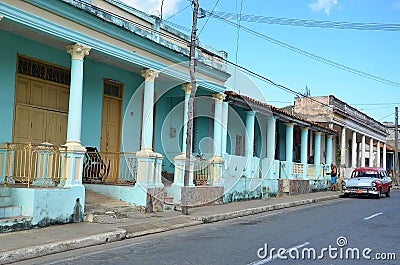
point(361, 140)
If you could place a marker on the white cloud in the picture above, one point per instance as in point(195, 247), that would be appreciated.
point(153, 7)
point(325, 5)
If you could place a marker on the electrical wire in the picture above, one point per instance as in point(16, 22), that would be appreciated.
point(216, 3)
point(242, 68)
point(177, 12)
point(307, 23)
point(311, 55)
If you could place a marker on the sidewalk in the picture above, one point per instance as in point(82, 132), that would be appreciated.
point(17, 246)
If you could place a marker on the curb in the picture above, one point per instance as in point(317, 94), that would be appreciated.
point(121, 234)
point(52, 248)
point(162, 229)
point(262, 209)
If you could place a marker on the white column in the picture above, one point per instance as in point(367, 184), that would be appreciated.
point(187, 88)
point(78, 53)
point(354, 151)
point(384, 156)
point(378, 154)
point(225, 110)
point(271, 128)
point(219, 98)
point(343, 147)
point(363, 151)
point(249, 141)
point(289, 142)
point(371, 152)
point(148, 108)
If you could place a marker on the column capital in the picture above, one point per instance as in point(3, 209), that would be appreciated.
point(304, 128)
point(250, 112)
point(187, 87)
point(78, 51)
point(289, 124)
point(329, 136)
point(149, 74)
point(317, 133)
point(219, 97)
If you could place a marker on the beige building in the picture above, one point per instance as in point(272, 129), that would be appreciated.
point(361, 140)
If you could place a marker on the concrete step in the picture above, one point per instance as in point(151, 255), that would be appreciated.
point(15, 223)
point(169, 200)
point(4, 200)
point(10, 211)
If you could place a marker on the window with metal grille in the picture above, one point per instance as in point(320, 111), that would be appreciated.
point(46, 71)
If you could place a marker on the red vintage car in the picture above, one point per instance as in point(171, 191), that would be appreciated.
point(368, 181)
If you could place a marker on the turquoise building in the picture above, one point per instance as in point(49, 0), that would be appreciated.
point(95, 96)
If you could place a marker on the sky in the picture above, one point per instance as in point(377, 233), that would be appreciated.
point(373, 52)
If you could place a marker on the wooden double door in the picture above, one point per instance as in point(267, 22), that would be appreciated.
point(41, 111)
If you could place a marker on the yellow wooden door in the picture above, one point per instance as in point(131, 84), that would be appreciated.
point(110, 126)
point(110, 137)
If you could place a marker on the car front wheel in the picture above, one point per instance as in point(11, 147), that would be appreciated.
point(388, 193)
point(379, 195)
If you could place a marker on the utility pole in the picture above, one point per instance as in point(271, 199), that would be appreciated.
point(396, 145)
point(189, 131)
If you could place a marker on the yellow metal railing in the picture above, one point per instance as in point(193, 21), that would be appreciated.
point(108, 167)
point(201, 172)
point(30, 164)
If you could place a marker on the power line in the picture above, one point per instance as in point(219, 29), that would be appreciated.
point(177, 12)
point(307, 23)
point(310, 55)
point(216, 3)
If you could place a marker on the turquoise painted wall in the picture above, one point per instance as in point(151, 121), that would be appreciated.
point(94, 75)
point(10, 46)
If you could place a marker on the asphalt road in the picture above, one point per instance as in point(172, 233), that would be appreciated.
point(337, 231)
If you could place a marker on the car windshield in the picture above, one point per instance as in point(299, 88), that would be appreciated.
point(365, 174)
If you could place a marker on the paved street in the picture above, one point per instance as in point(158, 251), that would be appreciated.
point(363, 223)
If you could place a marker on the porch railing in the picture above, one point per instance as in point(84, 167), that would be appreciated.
point(110, 167)
point(30, 164)
point(201, 172)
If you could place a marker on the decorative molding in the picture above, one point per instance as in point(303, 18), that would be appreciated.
point(78, 51)
point(219, 97)
point(187, 87)
point(149, 75)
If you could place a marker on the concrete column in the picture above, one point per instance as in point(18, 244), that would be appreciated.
point(354, 151)
point(217, 123)
point(148, 108)
point(384, 156)
point(187, 88)
point(249, 144)
point(304, 143)
point(343, 147)
point(217, 162)
point(73, 153)
point(78, 53)
point(317, 148)
point(378, 154)
point(289, 142)
point(363, 151)
point(224, 136)
point(329, 149)
point(271, 128)
point(371, 152)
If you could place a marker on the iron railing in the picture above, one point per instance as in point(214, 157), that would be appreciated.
point(201, 172)
point(30, 164)
point(109, 167)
